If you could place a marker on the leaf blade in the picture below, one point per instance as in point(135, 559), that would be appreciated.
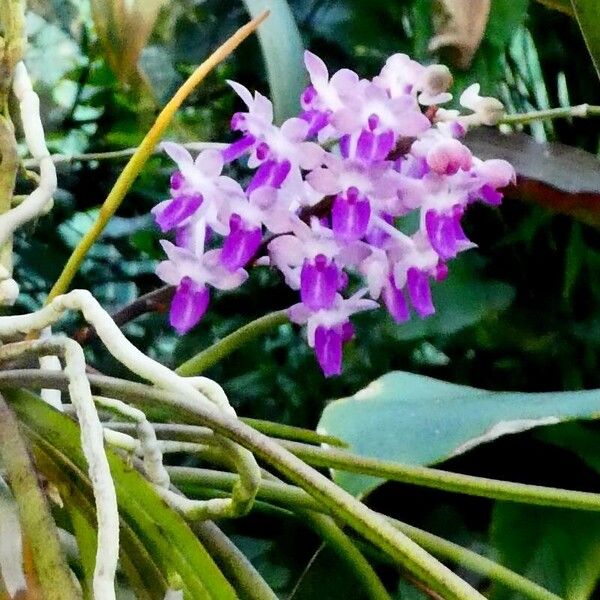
point(282, 50)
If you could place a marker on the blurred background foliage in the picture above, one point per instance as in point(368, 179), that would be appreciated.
point(518, 313)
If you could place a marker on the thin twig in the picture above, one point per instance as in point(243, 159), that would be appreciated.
point(116, 154)
point(154, 301)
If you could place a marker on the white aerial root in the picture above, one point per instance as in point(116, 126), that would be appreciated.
point(148, 446)
point(92, 443)
point(125, 352)
point(35, 203)
point(11, 544)
point(51, 363)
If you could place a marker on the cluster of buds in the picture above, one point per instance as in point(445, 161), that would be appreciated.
point(326, 192)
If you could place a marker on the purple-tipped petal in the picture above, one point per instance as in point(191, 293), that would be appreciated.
point(318, 283)
point(441, 271)
point(176, 211)
point(395, 301)
point(347, 331)
point(490, 195)
point(240, 245)
point(365, 145)
point(420, 292)
point(279, 173)
point(316, 119)
point(177, 180)
point(328, 348)
point(188, 305)
point(238, 148)
point(350, 216)
point(271, 173)
point(384, 144)
point(261, 177)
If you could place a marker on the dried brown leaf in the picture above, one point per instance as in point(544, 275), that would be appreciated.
point(561, 178)
point(123, 28)
point(459, 26)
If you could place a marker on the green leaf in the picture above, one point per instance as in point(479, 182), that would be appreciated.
point(327, 576)
point(563, 6)
point(282, 50)
point(587, 13)
point(418, 420)
point(576, 438)
point(157, 543)
point(559, 549)
point(464, 298)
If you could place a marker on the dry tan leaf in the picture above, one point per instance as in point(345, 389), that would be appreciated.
point(123, 28)
point(459, 26)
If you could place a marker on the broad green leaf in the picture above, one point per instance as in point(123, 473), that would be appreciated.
point(282, 50)
point(588, 17)
point(464, 298)
point(154, 535)
point(576, 438)
point(418, 420)
point(559, 549)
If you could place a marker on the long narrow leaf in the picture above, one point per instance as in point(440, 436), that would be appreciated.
point(588, 17)
point(164, 534)
point(282, 51)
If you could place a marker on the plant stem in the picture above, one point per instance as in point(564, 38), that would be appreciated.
point(582, 110)
point(293, 498)
point(345, 548)
point(344, 506)
point(411, 474)
point(117, 154)
point(444, 480)
point(36, 520)
point(330, 457)
point(143, 152)
point(223, 348)
point(194, 433)
point(235, 566)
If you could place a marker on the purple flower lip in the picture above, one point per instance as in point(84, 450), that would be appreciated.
point(328, 348)
point(420, 292)
point(188, 305)
point(240, 245)
point(318, 283)
point(350, 215)
point(445, 233)
point(395, 301)
point(270, 173)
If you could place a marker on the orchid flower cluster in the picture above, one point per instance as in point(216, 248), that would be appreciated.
point(326, 193)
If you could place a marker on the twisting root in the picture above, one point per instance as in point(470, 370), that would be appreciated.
point(34, 204)
point(149, 447)
point(125, 352)
point(92, 443)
